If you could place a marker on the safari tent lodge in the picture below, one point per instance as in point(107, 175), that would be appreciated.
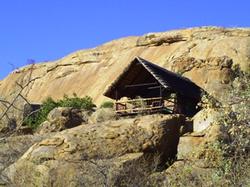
point(144, 87)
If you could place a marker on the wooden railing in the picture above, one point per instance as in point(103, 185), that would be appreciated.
point(144, 105)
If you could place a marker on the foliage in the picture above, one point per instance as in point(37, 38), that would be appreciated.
point(77, 102)
point(139, 103)
point(236, 121)
point(228, 159)
point(37, 118)
point(107, 104)
point(49, 104)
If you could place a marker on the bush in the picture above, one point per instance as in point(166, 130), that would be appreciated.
point(49, 104)
point(107, 104)
point(77, 102)
point(36, 119)
point(228, 158)
point(236, 123)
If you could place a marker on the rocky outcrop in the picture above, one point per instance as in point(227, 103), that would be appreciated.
point(206, 55)
point(204, 129)
point(126, 151)
point(62, 118)
point(154, 39)
point(12, 148)
point(196, 164)
point(106, 153)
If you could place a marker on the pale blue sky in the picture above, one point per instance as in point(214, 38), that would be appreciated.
point(50, 29)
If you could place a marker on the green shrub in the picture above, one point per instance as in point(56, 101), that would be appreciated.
point(107, 104)
point(49, 104)
point(37, 118)
point(236, 124)
point(228, 158)
point(77, 102)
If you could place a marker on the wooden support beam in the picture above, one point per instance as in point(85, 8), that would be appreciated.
point(160, 91)
point(139, 85)
point(143, 99)
point(153, 87)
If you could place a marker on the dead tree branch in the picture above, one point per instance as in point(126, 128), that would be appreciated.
point(30, 114)
point(16, 97)
point(9, 105)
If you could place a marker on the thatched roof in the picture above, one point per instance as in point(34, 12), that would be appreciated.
point(140, 71)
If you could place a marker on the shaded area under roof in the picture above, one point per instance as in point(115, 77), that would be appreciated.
point(141, 71)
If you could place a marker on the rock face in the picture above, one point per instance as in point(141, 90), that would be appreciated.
point(99, 154)
point(205, 129)
point(193, 168)
point(12, 148)
point(206, 55)
point(126, 151)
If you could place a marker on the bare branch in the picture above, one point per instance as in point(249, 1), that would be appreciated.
point(11, 104)
point(6, 103)
point(30, 114)
point(24, 99)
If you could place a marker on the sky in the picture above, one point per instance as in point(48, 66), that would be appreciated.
point(45, 30)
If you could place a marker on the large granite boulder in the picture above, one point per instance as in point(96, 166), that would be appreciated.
point(205, 118)
point(110, 153)
point(12, 148)
point(62, 118)
point(102, 114)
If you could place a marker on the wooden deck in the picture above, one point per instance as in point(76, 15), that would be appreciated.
point(144, 105)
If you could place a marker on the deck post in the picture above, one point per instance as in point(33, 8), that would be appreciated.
point(116, 95)
point(116, 99)
point(161, 95)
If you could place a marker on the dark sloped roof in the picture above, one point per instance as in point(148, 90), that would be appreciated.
point(143, 71)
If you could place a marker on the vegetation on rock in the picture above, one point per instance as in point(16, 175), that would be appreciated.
point(107, 104)
point(49, 104)
point(225, 159)
point(77, 102)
